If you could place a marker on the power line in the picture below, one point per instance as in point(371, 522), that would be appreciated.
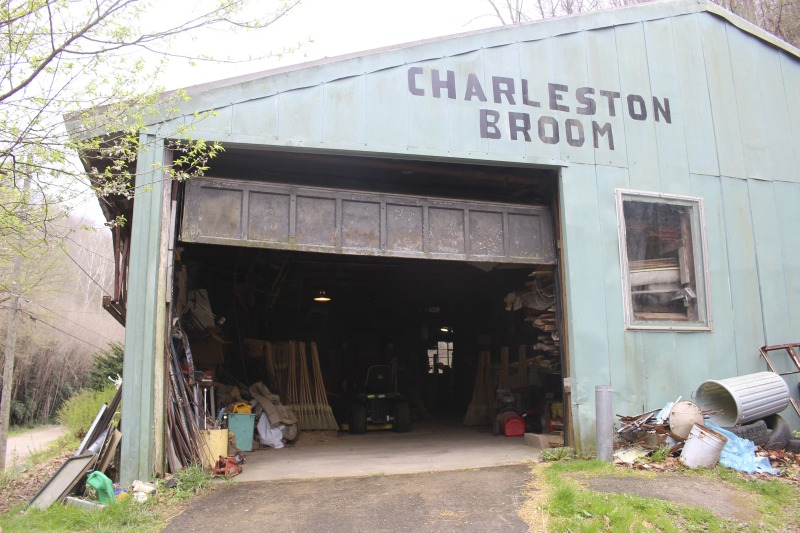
point(84, 271)
point(71, 321)
point(37, 319)
point(76, 243)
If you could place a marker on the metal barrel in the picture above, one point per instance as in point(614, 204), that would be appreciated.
point(743, 399)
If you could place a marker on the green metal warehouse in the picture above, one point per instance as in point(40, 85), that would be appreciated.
point(645, 160)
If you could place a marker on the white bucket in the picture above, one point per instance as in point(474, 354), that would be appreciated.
point(703, 447)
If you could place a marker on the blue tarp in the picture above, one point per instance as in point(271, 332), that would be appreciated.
point(740, 454)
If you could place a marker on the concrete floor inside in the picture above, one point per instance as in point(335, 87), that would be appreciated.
point(429, 446)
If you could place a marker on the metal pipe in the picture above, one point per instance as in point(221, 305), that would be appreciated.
point(604, 422)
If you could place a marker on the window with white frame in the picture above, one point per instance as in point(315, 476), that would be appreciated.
point(664, 263)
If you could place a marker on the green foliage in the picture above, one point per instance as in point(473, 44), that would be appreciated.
point(107, 362)
point(78, 412)
point(95, 64)
point(557, 454)
point(193, 480)
point(660, 454)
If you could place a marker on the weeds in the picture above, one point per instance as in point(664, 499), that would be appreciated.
point(80, 410)
point(660, 454)
point(125, 515)
point(557, 454)
point(571, 506)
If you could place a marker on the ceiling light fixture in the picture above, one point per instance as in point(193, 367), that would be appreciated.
point(322, 296)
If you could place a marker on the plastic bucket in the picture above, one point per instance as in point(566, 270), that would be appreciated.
point(214, 443)
point(743, 399)
point(703, 447)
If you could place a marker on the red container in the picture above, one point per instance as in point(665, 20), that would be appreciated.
point(513, 425)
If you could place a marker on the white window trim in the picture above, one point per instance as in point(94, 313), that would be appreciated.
point(623, 257)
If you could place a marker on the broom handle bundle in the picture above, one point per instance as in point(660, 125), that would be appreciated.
point(522, 374)
point(273, 370)
point(291, 392)
point(487, 378)
point(320, 396)
point(503, 381)
point(305, 384)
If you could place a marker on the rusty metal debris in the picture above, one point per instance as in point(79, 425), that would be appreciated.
point(652, 429)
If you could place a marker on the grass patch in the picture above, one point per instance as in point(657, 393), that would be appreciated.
point(125, 515)
point(571, 506)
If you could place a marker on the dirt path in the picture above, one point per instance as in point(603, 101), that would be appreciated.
point(21, 446)
point(480, 500)
point(719, 497)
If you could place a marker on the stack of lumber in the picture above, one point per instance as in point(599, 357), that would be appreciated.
point(547, 349)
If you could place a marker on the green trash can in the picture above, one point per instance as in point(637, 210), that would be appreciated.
point(241, 425)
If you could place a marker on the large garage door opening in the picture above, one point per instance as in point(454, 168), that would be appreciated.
point(427, 286)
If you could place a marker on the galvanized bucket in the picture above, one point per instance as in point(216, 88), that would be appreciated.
point(743, 399)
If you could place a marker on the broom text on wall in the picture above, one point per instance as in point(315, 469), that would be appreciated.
point(524, 124)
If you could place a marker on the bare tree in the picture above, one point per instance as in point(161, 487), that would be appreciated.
point(779, 17)
point(62, 57)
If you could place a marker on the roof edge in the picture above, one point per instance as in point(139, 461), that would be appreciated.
point(747, 26)
point(591, 20)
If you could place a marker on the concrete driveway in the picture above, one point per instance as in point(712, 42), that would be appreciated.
point(430, 446)
point(481, 500)
point(441, 476)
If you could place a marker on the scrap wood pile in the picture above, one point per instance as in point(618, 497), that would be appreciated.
point(184, 444)
point(669, 426)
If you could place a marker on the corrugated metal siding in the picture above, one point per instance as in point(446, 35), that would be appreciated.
point(734, 111)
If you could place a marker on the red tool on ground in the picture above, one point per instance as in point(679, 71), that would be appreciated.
point(228, 466)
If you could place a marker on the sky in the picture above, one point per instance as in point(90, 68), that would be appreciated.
point(334, 27)
point(326, 28)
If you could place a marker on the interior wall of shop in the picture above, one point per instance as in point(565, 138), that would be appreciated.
point(732, 139)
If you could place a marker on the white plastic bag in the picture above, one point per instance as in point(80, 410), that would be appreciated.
point(268, 435)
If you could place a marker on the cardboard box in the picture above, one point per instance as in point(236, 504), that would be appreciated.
point(207, 353)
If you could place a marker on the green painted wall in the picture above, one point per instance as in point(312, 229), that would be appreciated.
point(731, 135)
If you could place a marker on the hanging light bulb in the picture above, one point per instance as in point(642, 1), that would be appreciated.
point(322, 296)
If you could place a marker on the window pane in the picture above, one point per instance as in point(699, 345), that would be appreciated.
point(664, 271)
